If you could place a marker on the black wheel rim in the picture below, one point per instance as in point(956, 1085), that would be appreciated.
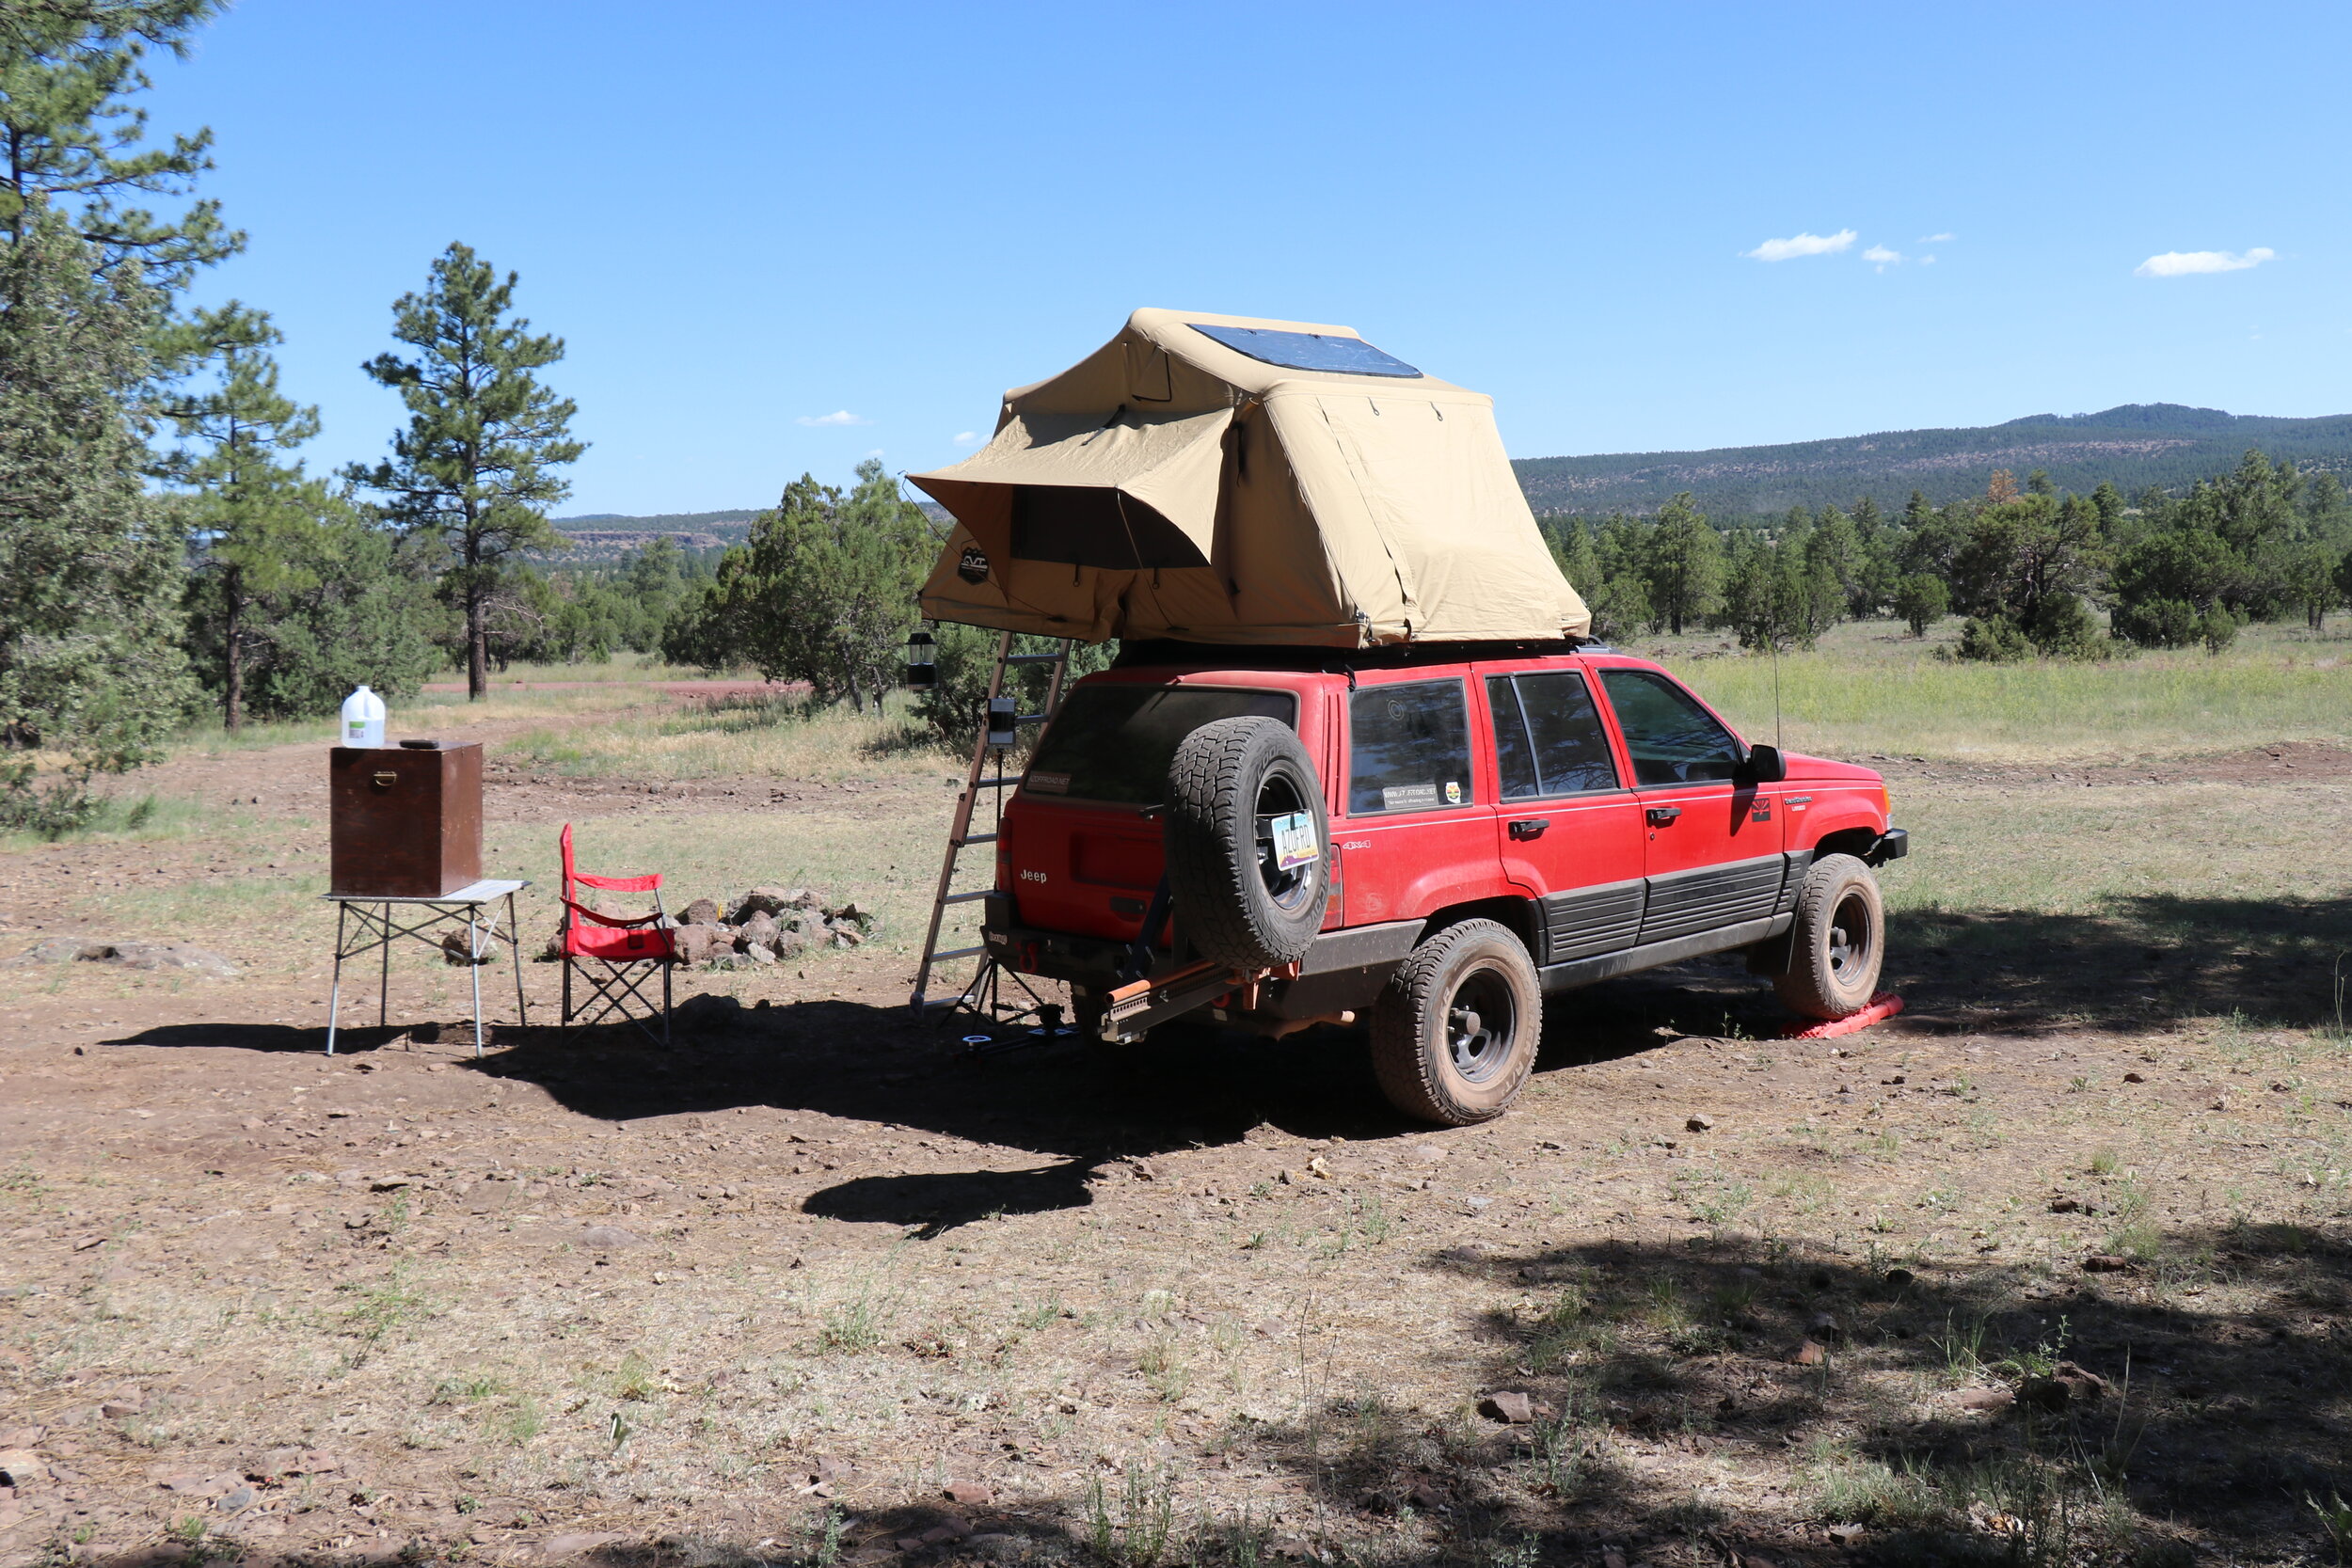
point(1849, 937)
point(1481, 1019)
point(1279, 797)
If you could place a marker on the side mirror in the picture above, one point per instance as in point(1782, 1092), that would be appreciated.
point(1765, 765)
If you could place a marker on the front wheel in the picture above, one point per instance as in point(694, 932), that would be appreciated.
point(1838, 943)
point(1453, 1034)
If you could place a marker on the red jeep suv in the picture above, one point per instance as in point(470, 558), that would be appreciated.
point(1433, 837)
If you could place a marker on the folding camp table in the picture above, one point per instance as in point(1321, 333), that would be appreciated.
point(365, 921)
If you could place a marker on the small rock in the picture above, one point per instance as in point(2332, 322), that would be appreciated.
point(969, 1493)
point(21, 1437)
point(1516, 1408)
point(2135, 1078)
point(575, 1544)
point(453, 949)
point(1425, 1497)
point(1986, 1399)
point(238, 1501)
point(1900, 1277)
point(609, 1238)
point(702, 912)
point(2067, 1385)
point(1845, 1535)
point(1825, 1328)
point(1811, 1353)
point(2105, 1262)
point(130, 1402)
point(194, 1486)
point(2221, 1103)
point(759, 954)
point(1701, 1124)
point(1611, 1557)
point(2066, 1206)
point(22, 1467)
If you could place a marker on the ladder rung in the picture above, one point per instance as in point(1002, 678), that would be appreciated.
point(997, 784)
point(1032, 718)
point(966, 897)
point(974, 838)
point(943, 956)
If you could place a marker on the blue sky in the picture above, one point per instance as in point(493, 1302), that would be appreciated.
point(746, 217)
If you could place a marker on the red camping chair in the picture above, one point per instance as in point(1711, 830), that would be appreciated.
point(616, 946)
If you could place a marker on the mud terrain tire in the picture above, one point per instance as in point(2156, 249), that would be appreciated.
point(1838, 943)
point(1225, 784)
point(1454, 1032)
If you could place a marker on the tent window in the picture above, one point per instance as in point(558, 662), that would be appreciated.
point(1079, 525)
point(1307, 351)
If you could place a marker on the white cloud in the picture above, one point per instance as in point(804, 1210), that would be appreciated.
point(1936, 239)
point(1882, 256)
point(838, 416)
point(1926, 261)
point(876, 452)
point(968, 437)
point(2182, 263)
point(1803, 245)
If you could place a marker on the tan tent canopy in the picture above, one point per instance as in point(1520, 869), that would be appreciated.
point(1219, 479)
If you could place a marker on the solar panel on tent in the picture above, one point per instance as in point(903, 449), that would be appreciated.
point(1307, 351)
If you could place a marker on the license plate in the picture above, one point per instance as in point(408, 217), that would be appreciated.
point(1295, 841)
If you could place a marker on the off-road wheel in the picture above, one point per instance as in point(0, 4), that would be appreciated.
point(1228, 784)
point(1838, 943)
point(1454, 1032)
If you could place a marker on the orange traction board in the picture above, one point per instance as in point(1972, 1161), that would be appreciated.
point(1885, 1004)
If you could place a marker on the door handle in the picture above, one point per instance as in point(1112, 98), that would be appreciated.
point(1663, 817)
point(1530, 827)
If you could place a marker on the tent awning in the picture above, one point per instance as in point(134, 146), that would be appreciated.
point(1138, 490)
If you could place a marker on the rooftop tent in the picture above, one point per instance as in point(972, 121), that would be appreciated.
point(1218, 479)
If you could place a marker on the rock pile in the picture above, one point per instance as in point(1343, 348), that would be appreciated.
point(764, 927)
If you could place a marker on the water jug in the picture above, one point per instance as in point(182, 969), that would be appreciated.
point(363, 719)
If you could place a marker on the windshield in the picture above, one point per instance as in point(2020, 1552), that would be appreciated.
point(1113, 742)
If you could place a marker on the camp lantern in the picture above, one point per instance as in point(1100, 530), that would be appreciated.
point(922, 661)
point(1003, 721)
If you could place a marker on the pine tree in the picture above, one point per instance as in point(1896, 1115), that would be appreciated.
point(252, 510)
point(89, 570)
point(1681, 564)
point(475, 467)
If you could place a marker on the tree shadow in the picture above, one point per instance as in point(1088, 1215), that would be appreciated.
point(1940, 1413)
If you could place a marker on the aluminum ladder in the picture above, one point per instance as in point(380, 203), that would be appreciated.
point(979, 781)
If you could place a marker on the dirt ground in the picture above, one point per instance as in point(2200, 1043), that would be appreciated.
point(2051, 1268)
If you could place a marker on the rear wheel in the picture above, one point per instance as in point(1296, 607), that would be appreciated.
point(1838, 943)
point(1454, 1035)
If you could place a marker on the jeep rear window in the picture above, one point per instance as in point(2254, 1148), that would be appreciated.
point(1113, 742)
point(1409, 748)
point(1548, 737)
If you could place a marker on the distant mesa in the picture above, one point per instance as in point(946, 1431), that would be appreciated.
point(2133, 446)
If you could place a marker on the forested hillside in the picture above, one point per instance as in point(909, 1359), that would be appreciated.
point(2131, 447)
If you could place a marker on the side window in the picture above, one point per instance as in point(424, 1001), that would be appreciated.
point(1670, 738)
point(1409, 747)
point(1515, 755)
point(1548, 737)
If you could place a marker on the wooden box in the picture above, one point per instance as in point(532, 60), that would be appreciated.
point(405, 821)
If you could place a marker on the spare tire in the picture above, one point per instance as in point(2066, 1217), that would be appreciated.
point(1230, 786)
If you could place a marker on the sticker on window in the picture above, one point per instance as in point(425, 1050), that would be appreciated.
point(1050, 783)
point(1295, 841)
point(1453, 792)
point(1418, 797)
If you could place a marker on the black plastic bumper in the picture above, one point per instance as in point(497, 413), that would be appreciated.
point(1893, 844)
